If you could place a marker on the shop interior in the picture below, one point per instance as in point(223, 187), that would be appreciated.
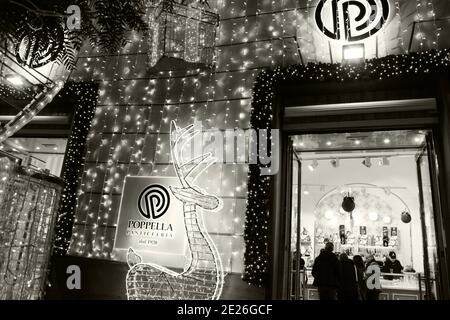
point(46, 154)
point(369, 193)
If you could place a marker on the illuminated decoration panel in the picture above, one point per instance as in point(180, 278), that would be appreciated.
point(29, 201)
point(202, 278)
point(183, 31)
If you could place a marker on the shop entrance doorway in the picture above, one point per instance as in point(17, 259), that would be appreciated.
point(371, 194)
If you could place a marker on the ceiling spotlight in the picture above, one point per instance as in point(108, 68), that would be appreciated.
point(329, 214)
point(329, 143)
point(367, 162)
point(335, 163)
point(357, 142)
point(387, 141)
point(313, 165)
point(373, 216)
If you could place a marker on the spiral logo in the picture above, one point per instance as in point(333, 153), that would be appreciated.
point(154, 201)
point(351, 20)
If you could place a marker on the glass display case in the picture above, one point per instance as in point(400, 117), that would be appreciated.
point(404, 286)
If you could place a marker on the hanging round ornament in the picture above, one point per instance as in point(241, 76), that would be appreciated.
point(406, 217)
point(348, 204)
point(39, 42)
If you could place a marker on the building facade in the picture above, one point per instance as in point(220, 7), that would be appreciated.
point(139, 99)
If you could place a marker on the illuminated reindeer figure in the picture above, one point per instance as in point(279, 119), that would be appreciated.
point(202, 278)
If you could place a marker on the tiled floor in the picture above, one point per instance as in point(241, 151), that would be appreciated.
point(237, 289)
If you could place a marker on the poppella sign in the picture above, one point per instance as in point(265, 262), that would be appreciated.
point(351, 20)
point(150, 217)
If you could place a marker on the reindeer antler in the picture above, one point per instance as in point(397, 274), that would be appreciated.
point(179, 139)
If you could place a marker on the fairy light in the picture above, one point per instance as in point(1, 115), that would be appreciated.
point(398, 16)
point(165, 111)
point(153, 25)
point(419, 18)
point(95, 246)
point(115, 180)
point(109, 177)
point(92, 176)
point(149, 127)
point(86, 94)
point(308, 14)
point(432, 14)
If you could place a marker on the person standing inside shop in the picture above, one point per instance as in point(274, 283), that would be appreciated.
point(326, 273)
point(371, 263)
point(348, 289)
point(392, 265)
point(360, 269)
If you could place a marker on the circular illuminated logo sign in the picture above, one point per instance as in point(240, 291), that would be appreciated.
point(351, 20)
point(154, 201)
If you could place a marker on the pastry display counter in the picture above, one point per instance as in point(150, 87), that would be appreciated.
point(404, 287)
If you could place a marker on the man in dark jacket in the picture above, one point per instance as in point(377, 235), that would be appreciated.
point(326, 273)
point(392, 265)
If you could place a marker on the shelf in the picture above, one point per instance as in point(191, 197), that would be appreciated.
point(368, 247)
point(363, 247)
point(377, 247)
